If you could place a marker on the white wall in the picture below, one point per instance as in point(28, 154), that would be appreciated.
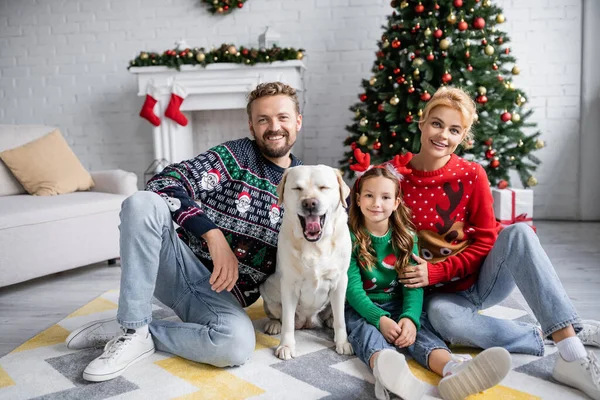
point(63, 63)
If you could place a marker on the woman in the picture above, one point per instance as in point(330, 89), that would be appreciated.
point(469, 266)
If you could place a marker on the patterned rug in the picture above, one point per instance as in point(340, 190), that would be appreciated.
point(43, 368)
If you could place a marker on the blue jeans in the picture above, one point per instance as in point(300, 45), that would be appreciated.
point(517, 259)
point(367, 340)
point(155, 262)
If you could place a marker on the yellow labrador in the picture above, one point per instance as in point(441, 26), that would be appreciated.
point(313, 255)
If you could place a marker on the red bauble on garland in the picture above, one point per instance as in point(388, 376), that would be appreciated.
point(479, 23)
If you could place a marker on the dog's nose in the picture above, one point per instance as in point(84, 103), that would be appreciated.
point(310, 204)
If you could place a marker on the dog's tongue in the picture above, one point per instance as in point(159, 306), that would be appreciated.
point(313, 224)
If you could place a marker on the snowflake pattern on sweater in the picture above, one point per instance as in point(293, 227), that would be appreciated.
point(452, 211)
point(231, 187)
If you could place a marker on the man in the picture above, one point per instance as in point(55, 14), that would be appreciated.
point(212, 266)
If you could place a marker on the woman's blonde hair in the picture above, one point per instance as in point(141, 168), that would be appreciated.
point(456, 99)
point(400, 224)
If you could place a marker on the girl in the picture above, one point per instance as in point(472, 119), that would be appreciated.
point(383, 315)
point(470, 267)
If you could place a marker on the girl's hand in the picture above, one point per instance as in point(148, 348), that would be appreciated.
point(409, 333)
point(389, 329)
point(415, 276)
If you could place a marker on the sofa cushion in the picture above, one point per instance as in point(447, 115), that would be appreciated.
point(12, 136)
point(20, 210)
point(47, 166)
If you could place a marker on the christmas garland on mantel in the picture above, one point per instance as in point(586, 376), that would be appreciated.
point(227, 53)
point(224, 6)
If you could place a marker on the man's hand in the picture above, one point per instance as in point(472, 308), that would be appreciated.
point(415, 276)
point(389, 329)
point(408, 333)
point(225, 264)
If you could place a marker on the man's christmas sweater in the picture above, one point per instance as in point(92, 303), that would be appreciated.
point(231, 187)
point(379, 283)
point(452, 211)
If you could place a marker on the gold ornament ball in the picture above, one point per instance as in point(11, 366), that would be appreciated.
point(215, 2)
point(416, 73)
point(539, 144)
point(404, 4)
point(520, 101)
point(489, 50)
point(357, 113)
point(468, 43)
point(363, 121)
point(372, 81)
point(417, 62)
point(515, 117)
point(200, 57)
point(520, 144)
point(232, 50)
point(427, 32)
point(299, 55)
point(482, 90)
point(486, 3)
point(144, 56)
point(406, 139)
point(362, 140)
point(420, 113)
point(220, 10)
point(511, 86)
point(451, 18)
point(394, 100)
point(512, 158)
point(386, 44)
point(500, 18)
point(516, 70)
point(532, 181)
point(189, 54)
point(444, 44)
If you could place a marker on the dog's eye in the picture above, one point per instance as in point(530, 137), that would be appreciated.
point(297, 188)
point(323, 187)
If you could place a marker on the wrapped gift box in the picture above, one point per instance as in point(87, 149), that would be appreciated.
point(513, 205)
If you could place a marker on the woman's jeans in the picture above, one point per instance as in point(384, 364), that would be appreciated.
point(155, 262)
point(516, 258)
point(366, 339)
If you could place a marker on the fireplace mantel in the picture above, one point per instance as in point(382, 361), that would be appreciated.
point(219, 86)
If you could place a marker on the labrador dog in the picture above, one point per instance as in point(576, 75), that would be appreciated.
point(313, 255)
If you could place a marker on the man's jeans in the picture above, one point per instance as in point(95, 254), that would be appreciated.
point(516, 258)
point(367, 340)
point(215, 329)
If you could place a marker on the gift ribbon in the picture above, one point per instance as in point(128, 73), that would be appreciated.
point(515, 218)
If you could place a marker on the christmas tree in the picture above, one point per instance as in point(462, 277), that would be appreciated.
point(430, 43)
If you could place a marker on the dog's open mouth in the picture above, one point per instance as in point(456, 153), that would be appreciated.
point(312, 226)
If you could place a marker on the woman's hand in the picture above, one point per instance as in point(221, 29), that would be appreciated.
point(415, 276)
point(409, 333)
point(389, 329)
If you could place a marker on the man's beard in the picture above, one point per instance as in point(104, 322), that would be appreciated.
point(274, 152)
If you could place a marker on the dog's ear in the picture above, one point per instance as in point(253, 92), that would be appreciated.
point(281, 187)
point(344, 189)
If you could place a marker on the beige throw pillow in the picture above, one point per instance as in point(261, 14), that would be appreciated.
point(47, 166)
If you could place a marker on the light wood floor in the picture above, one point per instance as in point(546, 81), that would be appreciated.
point(28, 308)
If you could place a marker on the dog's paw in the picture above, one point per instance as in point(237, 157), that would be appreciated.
point(344, 348)
point(285, 352)
point(273, 327)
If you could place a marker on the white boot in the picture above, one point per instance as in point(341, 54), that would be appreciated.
point(582, 374)
point(120, 353)
point(469, 377)
point(393, 374)
point(93, 334)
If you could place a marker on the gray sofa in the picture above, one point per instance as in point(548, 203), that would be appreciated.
point(41, 235)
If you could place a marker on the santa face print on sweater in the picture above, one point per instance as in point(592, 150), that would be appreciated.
point(274, 214)
point(243, 202)
point(210, 180)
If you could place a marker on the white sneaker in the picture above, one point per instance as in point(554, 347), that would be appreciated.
point(484, 371)
point(392, 374)
point(93, 334)
point(582, 374)
point(119, 354)
point(590, 334)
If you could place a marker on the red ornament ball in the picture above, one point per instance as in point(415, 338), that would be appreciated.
point(225, 7)
point(240, 5)
point(506, 116)
point(393, 134)
point(419, 8)
point(363, 97)
point(483, 42)
point(436, 6)
point(446, 77)
point(411, 89)
point(458, 3)
point(506, 50)
point(245, 52)
point(470, 68)
point(400, 79)
point(500, 40)
point(380, 107)
point(377, 145)
point(430, 57)
point(479, 23)
point(463, 26)
point(500, 78)
point(377, 125)
point(396, 43)
point(495, 163)
point(502, 184)
point(425, 96)
point(490, 154)
point(467, 54)
point(482, 100)
point(380, 54)
point(489, 142)
point(396, 71)
point(495, 67)
point(409, 118)
point(438, 33)
point(381, 67)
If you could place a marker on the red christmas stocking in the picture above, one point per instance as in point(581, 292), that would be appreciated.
point(148, 107)
point(178, 94)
